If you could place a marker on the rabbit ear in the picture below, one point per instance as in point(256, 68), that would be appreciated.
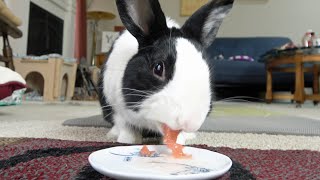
point(144, 19)
point(204, 24)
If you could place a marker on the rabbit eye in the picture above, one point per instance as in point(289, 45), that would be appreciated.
point(159, 70)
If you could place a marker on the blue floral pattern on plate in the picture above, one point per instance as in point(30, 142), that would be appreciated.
point(122, 162)
point(128, 157)
point(188, 169)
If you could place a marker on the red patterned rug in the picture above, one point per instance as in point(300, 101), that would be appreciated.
point(59, 159)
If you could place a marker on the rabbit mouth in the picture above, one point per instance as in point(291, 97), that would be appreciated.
point(161, 124)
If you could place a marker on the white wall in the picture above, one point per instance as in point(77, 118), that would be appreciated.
point(290, 18)
point(64, 9)
point(248, 18)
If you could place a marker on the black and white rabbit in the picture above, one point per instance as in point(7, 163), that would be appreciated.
point(157, 73)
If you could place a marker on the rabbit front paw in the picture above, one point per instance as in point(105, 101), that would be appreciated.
point(129, 136)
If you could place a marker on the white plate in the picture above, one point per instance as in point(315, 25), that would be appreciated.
point(124, 162)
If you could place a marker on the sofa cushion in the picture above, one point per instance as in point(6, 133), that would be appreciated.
point(241, 58)
point(237, 73)
point(250, 46)
point(251, 74)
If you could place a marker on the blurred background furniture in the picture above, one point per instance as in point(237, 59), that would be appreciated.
point(100, 59)
point(297, 62)
point(98, 11)
point(243, 77)
point(8, 27)
point(53, 77)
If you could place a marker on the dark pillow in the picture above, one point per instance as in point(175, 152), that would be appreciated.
point(241, 58)
point(9, 82)
point(8, 88)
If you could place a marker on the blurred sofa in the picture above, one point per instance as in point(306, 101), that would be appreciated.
point(241, 76)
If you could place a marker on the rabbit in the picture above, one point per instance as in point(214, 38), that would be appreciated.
point(157, 72)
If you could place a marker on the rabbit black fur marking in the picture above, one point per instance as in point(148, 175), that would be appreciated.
point(143, 79)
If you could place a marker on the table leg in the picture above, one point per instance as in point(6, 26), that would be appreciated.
point(269, 85)
point(299, 81)
point(7, 51)
point(315, 88)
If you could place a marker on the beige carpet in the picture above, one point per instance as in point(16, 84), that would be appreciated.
point(41, 120)
point(236, 118)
